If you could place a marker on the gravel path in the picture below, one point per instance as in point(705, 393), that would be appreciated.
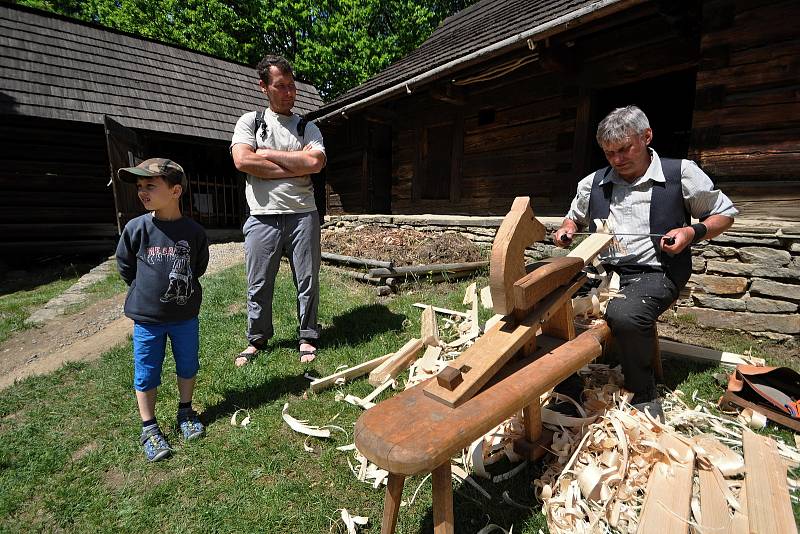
point(84, 335)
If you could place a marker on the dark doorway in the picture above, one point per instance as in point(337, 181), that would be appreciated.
point(379, 168)
point(667, 101)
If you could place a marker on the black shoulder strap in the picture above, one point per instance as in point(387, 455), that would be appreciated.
point(301, 127)
point(259, 122)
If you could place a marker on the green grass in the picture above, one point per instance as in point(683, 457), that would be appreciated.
point(70, 459)
point(18, 306)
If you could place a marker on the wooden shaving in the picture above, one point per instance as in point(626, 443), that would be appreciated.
point(302, 427)
point(351, 522)
point(244, 422)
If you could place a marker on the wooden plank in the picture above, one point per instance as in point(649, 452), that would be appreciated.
point(429, 329)
point(492, 350)
point(668, 494)
point(713, 505)
point(678, 349)
point(351, 372)
point(739, 523)
point(518, 230)
point(590, 247)
point(394, 365)
point(769, 507)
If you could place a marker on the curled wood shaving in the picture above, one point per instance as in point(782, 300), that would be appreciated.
point(244, 422)
point(351, 522)
point(303, 428)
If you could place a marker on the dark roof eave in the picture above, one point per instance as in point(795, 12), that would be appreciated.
point(596, 10)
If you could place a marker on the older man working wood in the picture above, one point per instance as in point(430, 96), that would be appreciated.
point(649, 202)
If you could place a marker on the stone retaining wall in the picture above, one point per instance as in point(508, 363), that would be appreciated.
point(746, 279)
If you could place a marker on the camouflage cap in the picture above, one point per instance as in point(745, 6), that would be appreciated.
point(166, 168)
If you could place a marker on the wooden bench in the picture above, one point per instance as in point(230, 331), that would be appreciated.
point(421, 429)
point(412, 433)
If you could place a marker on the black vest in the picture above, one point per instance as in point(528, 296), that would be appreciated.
point(667, 211)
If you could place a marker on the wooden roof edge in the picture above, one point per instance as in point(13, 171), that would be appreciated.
point(550, 27)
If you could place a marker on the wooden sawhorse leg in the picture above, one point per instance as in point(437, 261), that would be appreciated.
point(442, 500)
point(391, 503)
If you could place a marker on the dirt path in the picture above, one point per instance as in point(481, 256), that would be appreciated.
point(86, 335)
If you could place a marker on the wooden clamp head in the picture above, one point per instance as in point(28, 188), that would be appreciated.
point(518, 230)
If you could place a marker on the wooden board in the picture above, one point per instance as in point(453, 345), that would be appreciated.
point(668, 495)
point(394, 365)
point(429, 328)
point(590, 247)
point(491, 351)
point(674, 348)
point(352, 372)
point(713, 505)
point(769, 508)
point(518, 230)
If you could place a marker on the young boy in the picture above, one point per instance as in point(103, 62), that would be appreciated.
point(161, 255)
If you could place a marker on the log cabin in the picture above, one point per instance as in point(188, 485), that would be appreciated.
point(504, 98)
point(78, 101)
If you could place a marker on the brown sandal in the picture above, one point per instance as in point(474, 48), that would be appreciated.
point(308, 356)
point(249, 356)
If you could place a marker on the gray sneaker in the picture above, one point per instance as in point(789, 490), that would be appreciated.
point(190, 424)
point(154, 443)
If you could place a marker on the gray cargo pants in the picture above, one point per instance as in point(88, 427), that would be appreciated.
point(266, 239)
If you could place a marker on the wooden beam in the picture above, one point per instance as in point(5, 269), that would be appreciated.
point(449, 93)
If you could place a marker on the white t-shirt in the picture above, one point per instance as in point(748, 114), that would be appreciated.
point(285, 195)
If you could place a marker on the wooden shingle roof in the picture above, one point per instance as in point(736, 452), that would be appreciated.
point(474, 28)
point(59, 68)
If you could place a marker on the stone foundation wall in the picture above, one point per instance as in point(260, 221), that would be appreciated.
point(746, 279)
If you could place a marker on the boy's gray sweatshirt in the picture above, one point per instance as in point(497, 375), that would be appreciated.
point(161, 261)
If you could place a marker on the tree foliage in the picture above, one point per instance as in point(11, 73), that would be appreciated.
point(333, 44)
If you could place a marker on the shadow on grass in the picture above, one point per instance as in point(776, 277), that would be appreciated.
point(253, 397)
point(677, 371)
point(472, 511)
point(355, 326)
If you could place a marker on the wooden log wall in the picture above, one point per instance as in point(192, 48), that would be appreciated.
point(53, 193)
point(345, 146)
point(530, 132)
point(747, 112)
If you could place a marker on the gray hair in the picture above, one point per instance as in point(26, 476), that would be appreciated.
point(622, 123)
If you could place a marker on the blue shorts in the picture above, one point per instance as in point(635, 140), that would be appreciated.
point(149, 347)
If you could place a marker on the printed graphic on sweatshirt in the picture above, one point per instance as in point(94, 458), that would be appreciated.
point(180, 277)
